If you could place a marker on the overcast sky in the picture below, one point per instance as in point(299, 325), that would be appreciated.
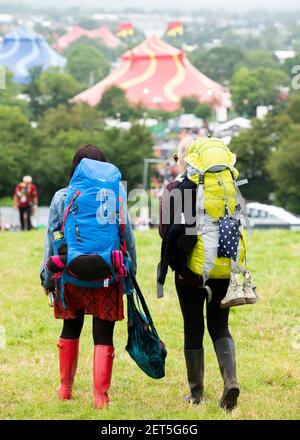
point(236, 5)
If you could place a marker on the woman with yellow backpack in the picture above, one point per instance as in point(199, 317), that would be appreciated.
point(203, 242)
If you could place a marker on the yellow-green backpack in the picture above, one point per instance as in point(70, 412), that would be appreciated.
point(210, 165)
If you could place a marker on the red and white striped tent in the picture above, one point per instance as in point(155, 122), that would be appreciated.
point(156, 75)
point(76, 32)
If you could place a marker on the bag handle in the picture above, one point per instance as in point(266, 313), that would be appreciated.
point(143, 303)
point(141, 298)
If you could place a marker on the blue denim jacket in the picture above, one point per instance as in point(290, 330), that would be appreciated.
point(55, 223)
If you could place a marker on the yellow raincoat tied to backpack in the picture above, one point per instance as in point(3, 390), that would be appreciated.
point(211, 168)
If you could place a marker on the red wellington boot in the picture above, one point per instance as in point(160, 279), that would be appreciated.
point(103, 362)
point(68, 356)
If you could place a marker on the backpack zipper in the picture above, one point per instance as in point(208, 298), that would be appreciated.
point(77, 233)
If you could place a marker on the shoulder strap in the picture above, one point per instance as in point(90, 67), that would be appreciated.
point(122, 226)
point(67, 210)
point(200, 203)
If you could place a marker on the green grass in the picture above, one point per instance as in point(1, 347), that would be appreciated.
point(6, 201)
point(267, 337)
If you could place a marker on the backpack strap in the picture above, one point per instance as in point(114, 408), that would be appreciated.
point(68, 208)
point(123, 245)
point(241, 182)
point(208, 292)
point(240, 204)
point(200, 211)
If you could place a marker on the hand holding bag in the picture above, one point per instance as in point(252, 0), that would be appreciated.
point(143, 344)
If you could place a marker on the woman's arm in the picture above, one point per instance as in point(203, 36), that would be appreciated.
point(54, 224)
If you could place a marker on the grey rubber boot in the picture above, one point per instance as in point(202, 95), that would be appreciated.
point(225, 351)
point(194, 360)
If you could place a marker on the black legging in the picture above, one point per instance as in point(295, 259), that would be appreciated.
point(25, 218)
point(191, 301)
point(102, 330)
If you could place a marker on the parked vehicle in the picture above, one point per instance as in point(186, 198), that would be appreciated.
point(269, 216)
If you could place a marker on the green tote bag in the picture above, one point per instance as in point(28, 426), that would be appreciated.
point(144, 344)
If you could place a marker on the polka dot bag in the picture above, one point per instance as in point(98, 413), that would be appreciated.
point(229, 236)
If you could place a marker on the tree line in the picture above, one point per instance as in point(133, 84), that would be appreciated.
point(40, 137)
point(269, 156)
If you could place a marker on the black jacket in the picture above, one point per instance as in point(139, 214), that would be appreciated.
point(179, 236)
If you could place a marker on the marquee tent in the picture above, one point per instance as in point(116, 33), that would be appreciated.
point(156, 76)
point(22, 49)
point(107, 38)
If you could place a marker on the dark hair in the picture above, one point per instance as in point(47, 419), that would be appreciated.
point(89, 152)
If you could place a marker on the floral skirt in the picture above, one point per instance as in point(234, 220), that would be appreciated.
point(103, 302)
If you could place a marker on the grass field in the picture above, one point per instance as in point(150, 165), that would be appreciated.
point(267, 339)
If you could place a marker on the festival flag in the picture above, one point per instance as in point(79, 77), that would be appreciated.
point(125, 30)
point(175, 28)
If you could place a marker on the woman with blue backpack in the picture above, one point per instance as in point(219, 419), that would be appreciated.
point(89, 250)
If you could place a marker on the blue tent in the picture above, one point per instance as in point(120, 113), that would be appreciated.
point(23, 49)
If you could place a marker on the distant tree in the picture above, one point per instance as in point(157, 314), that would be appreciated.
point(241, 42)
point(189, 104)
point(49, 89)
point(88, 23)
point(87, 64)
point(128, 149)
point(293, 109)
point(251, 88)
point(244, 91)
point(138, 112)
point(219, 63)
point(253, 148)
point(256, 58)
point(203, 111)
point(288, 65)
point(15, 126)
point(33, 90)
point(270, 82)
point(114, 102)
point(271, 38)
point(56, 88)
point(15, 147)
point(52, 162)
point(79, 116)
point(109, 53)
point(8, 95)
point(284, 168)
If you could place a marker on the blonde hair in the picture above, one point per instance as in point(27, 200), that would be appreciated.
point(183, 147)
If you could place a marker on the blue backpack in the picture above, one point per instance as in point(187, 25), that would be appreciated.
point(90, 249)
